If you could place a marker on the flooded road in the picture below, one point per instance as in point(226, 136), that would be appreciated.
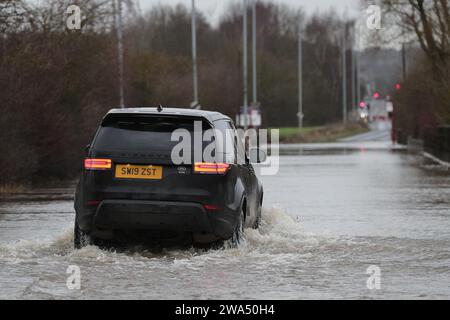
point(330, 213)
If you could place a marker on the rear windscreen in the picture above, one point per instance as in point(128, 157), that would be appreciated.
point(139, 133)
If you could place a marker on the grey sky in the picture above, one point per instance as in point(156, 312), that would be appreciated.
point(213, 9)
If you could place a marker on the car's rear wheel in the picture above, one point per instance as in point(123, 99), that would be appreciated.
point(238, 234)
point(258, 218)
point(80, 238)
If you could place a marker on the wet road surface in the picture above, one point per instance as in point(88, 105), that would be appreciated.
point(330, 213)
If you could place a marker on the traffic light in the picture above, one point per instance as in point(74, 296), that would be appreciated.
point(376, 95)
point(362, 104)
point(397, 86)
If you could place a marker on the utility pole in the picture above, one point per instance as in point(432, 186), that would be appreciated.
point(300, 74)
point(255, 93)
point(403, 61)
point(119, 29)
point(353, 67)
point(344, 75)
point(357, 61)
point(195, 103)
point(358, 80)
point(244, 63)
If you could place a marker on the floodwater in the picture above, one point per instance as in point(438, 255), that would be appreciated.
point(330, 213)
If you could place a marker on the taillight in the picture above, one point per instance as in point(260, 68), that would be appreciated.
point(211, 207)
point(211, 168)
point(97, 164)
point(93, 203)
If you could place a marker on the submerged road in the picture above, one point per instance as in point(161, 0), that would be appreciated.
point(331, 212)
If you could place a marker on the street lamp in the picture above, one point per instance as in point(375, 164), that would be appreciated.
point(119, 28)
point(300, 73)
point(244, 60)
point(255, 95)
point(344, 73)
point(195, 104)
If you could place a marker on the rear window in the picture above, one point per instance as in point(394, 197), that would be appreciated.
point(139, 133)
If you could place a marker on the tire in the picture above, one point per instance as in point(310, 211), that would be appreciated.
point(258, 218)
point(238, 234)
point(80, 238)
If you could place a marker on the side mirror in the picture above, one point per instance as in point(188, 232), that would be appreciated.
point(257, 155)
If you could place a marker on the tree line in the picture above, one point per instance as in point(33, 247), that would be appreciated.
point(56, 84)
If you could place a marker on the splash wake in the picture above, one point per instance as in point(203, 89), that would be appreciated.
point(279, 233)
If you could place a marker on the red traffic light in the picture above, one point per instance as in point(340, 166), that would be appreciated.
point(362, 104)
point(376, 95)
point(397, 86)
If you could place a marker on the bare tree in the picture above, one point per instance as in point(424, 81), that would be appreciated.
point(11, 15)
point(429, 22)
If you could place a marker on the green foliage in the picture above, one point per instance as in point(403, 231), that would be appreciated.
point(326, 133)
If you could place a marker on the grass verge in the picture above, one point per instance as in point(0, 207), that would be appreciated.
point(327, 133)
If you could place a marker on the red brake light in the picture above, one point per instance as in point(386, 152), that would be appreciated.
point(210, 207)
point(211, 168)
point(93, 202)
point(97, 164)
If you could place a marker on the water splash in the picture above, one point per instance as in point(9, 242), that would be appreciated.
point(279, 233)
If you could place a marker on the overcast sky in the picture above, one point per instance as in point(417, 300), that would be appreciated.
point(213, 9)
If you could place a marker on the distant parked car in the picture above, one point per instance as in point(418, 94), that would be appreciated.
point(130, 188)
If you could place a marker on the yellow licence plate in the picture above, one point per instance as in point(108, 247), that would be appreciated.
point(128, 171)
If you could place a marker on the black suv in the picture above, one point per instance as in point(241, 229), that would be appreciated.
point(131, 188)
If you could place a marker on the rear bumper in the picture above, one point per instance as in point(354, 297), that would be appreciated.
point(162, 216)
point(158, 215)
